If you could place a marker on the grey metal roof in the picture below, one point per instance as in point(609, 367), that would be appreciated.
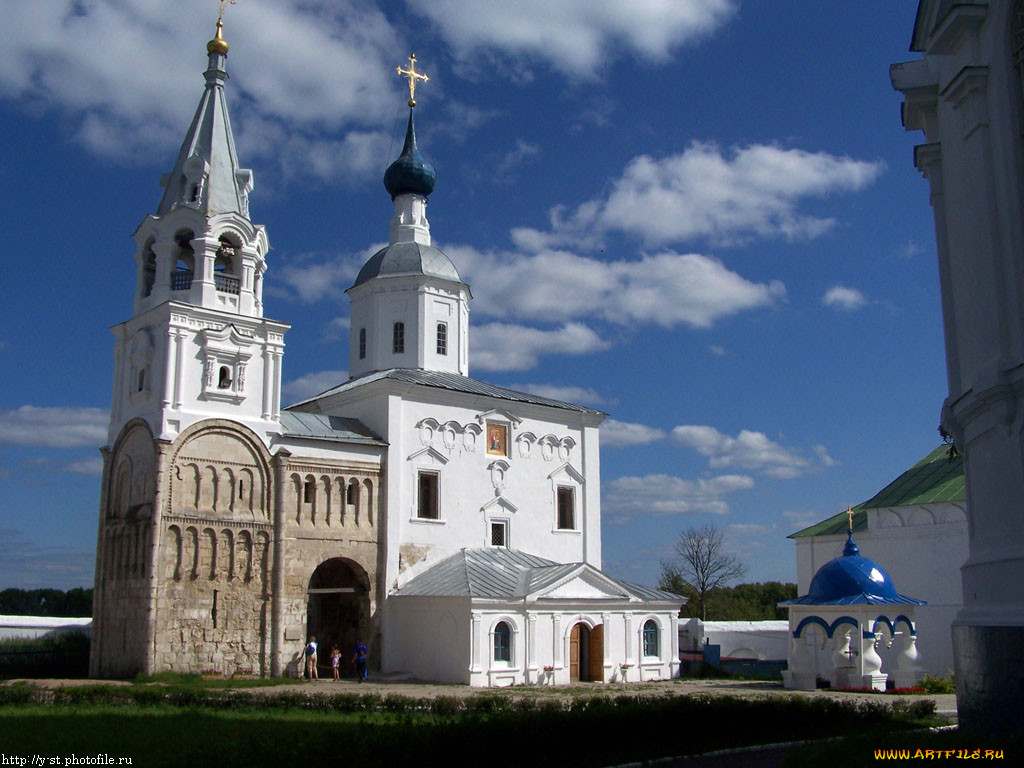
point(408, 259)
point(450, 381)
point(507, 574)
point(318, 426)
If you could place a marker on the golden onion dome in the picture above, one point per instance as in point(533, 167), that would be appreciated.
point(218, 44)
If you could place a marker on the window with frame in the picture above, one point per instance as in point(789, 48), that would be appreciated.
point(650, 638)
point(499, 534)
point(362, 343)
point(398, 339)
point(352, 493)
point(442, 338)
point(426, 506)
point(566, 508)
point(308, 491)
point(503, 642)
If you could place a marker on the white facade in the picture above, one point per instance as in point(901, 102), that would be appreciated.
point(755, 640)
point(966, 94)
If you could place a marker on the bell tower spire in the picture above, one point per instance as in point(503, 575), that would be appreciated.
point(198, 345)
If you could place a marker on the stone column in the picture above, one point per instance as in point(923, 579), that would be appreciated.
point(907, 662)
point(279, 463)
point(474, 654)
point(871, 663)
point(530, 673)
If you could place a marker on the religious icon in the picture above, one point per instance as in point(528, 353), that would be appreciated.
point(497, 439)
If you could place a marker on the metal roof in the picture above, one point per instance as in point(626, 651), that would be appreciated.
point(933, 480)
point(496, 572)
point(452, 382)
point(318, 426)
point(408, 259)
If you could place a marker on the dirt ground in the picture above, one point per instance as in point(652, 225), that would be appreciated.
point(945, 704)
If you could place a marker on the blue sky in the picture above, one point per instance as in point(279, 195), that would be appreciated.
point(699, 216)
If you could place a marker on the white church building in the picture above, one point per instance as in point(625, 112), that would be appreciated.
point(453, 526)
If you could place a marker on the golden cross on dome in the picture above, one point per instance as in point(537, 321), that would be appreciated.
point(413, 76)
point(220, 10)
point(849, 516)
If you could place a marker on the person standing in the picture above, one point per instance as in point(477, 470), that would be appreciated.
point(359, 658)
point(311, 672)
point(335, 662)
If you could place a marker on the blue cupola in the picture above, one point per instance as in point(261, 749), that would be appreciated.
point(410, 173)
point(852, 580)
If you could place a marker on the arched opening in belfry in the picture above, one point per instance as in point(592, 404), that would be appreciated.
point(225, 269)
point(338, 611)
point(148, 268)
point(185, 262)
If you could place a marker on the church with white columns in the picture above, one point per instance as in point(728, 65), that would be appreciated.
point(451, 525)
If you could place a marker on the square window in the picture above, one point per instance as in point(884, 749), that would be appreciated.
point(499, 537)
point(426, 507)
point(566, 509)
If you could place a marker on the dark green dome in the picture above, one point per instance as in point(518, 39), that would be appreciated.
point(410, 172)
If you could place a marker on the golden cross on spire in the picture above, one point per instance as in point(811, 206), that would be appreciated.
point(849, 516)
point(413, 76)
point(220, 10)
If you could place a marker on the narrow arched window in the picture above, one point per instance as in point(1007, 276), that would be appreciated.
point(362, 343)
point(398, 339)
point(442, 338)
point(224, 378)
point(503, 642)
point(142, 380)
point(650, 638)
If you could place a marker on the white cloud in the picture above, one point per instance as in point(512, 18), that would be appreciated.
point(90, 466)
point(310, 279)
point(628, 497)
point(509, 347)
point(798, 519)
point(705, 193)
point(54, 427)
point(748, 450)
point(716, 350)
point(314, 383)
point(666, 289)
point(128, 74)
point(575, 36)
point(822, 453)
point(617, 434)
point(567, 394)
point(843, 298)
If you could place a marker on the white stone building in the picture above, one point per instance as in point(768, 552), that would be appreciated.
point(966, 93)
point(917, 527)
point(453, 526)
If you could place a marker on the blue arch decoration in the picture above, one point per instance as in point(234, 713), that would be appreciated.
point(908, 622)
point(811, 620)
point(884, 620)
point(830, 629)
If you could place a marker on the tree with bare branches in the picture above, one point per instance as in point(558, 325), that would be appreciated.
point(701, 565)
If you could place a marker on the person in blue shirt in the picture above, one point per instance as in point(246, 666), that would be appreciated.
point(360, 659)
point(311, 659)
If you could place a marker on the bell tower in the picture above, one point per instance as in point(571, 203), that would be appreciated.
point(198, 345)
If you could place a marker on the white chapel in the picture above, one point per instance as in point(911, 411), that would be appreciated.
point(451, 525)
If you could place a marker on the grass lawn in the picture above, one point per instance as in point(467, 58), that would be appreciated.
point(281, 729)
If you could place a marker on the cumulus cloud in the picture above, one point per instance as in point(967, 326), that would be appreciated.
point(314, 383)
point(618, 434)
point(510, 347)
point(310, 278)
point(567, 394)
point(843, 298)
point(89, 466)
point(666, 289)
point(129, 75)
point(577, 37)
point(708, 194)
point(54, 427)
point(748, 450)
point(629, 497)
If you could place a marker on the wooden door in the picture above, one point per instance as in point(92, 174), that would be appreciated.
point(596, 670)
point(574, 654)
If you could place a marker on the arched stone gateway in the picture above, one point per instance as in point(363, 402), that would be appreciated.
point(338, 609)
